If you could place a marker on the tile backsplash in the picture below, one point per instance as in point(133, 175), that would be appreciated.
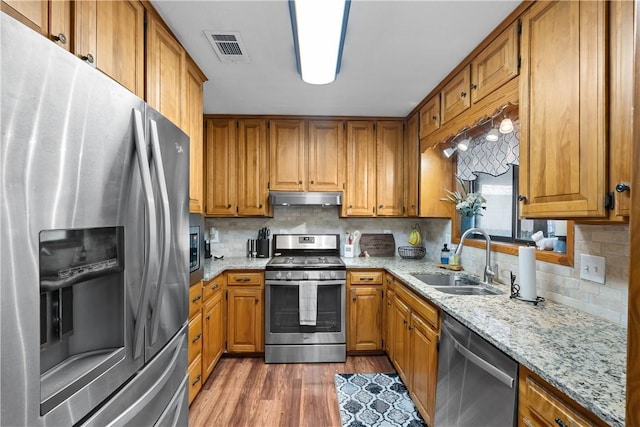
point(555, 282)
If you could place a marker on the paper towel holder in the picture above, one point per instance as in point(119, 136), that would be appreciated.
point(515, 292)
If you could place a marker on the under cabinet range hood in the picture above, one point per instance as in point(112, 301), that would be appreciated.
point(300, 198)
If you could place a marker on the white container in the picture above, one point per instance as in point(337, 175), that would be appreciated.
point(349, 251)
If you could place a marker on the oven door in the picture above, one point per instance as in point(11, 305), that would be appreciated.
point(282, 317)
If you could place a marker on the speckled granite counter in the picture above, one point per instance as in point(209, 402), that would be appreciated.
point(582, 355)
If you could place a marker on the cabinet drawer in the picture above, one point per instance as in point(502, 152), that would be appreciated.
point(246, 279)
point(212, 286)
point(195, 378)
point(195, 337)
point(195, 299)
point(365, 277)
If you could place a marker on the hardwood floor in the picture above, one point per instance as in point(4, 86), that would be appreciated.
point(248, 392)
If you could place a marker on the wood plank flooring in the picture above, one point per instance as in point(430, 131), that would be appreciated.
point(248, 392)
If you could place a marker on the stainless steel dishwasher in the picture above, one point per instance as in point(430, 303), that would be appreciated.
point(477, 383)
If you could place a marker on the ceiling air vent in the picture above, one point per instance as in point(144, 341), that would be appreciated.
point(228, 46)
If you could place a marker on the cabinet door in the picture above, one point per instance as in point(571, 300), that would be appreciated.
point(220, 175)
point(390, 175)
point(454, 97)
point(360, 194)
point(165, 72)
point(194, 128)
point(34, 14)
point(252, 168)
point(120, 44)
point(496, 64)
point(60, 30)
point(401, 339)
point(245, 326)
point(212, 329)
point(287, 164)
point(424, 367)
point(412, 166)
point(365, 318)
point(326, 155)
point(562, 110)
point(85, 35)
point(621, 80)
point(430, 116)
point(436, 174)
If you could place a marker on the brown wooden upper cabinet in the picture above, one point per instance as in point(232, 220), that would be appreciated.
point(166, 65)
point(360, 192)
point(193, 126)
point(52, 19)
point(390, 167)
point(436, 175)
point(109, 35)
point(496, 64)
point(430, 116)
point(236, 167)
point(326, 155)
point(412, 166)
point(287, 155)
point(454, 96)
point(563, 138)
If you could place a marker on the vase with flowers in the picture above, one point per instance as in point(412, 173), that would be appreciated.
point(468, 204)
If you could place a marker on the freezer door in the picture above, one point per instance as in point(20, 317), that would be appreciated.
point(156, 396)
point(69, 176)
point(168, 308)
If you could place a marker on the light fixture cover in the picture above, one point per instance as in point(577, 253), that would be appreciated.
point(493, 135)
point(463, 145)
point(448, 152)
point(506, 126)
point(318, 33)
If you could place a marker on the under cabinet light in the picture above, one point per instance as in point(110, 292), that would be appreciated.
point(318, 34)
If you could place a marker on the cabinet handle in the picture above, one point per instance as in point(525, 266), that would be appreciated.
point(228, 206)
point(410, 328)
point(60, 38)
point(389, 304)
point(260, 206)
point(88, 57)
point(404, 321)
point(215, 287)
point(474, 86)
point(522, 198)
point(311, 182)
point(366, 279)
point(299, 182)
point(622, 187)
point(350, 206)
point(381, 206)
point(257, 300)
point(197, 380)
point(208, 317)
point(354, 299)
point(196, 298)
point(197, 337)
point(243, 279)
point(463, 94)
point(560, 422)
point(434, 117)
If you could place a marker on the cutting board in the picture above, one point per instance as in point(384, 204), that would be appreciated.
point(377, 245)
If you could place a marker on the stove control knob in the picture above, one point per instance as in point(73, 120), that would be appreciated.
point(322, 274)
point(305, 276)
point(333, 274)
point(278, 275)
point(289, 275)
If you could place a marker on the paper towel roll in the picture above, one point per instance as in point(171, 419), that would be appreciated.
point(527, 263)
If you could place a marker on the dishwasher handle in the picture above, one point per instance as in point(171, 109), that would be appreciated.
point(477, 360)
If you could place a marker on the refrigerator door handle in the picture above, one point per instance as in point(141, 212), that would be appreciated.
point(156, 157)
point(125, 417)
point(477, 360)
point(150, 234)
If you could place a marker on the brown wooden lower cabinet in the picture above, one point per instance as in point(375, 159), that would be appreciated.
point(195, 378)
point(245, 323)
point(365, 318)
point(213, 332)
point(540, 404)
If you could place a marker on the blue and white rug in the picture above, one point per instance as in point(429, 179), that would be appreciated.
point(371, 400)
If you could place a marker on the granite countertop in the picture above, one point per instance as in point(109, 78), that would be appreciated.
point(581, 355)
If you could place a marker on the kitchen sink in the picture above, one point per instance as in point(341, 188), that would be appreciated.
point(456, 284)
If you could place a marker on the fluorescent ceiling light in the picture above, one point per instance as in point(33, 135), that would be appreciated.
point(318, 34)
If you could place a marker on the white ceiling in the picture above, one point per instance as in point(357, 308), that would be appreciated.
point(395, 53)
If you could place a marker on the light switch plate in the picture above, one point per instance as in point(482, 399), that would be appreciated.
point(592, 268)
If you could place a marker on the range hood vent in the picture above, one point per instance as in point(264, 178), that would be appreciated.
point(299, 198)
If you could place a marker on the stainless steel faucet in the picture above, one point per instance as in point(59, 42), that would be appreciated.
point(489, 274)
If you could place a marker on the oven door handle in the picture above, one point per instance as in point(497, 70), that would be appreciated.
point(269, 282)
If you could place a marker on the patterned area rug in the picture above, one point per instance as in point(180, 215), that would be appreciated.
point(370, 400)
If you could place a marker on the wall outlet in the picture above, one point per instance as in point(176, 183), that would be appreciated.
point(214, 235)
point(592, 268)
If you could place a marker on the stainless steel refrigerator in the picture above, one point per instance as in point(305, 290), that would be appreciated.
point(94, 246)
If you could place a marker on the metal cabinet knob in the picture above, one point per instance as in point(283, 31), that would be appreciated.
point(522, 198)
point(88, 57)
point(622, 187)
point(463, 94)
point(60, 38)
point(434, 117)
point(560, 422)
point(311, 181)
point(474, 86)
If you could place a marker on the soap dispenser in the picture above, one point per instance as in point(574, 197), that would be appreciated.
point(444, 255)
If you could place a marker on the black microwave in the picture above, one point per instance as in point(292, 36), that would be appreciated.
point(196, 248)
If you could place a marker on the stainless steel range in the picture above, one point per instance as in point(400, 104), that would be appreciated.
point(305, 285)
